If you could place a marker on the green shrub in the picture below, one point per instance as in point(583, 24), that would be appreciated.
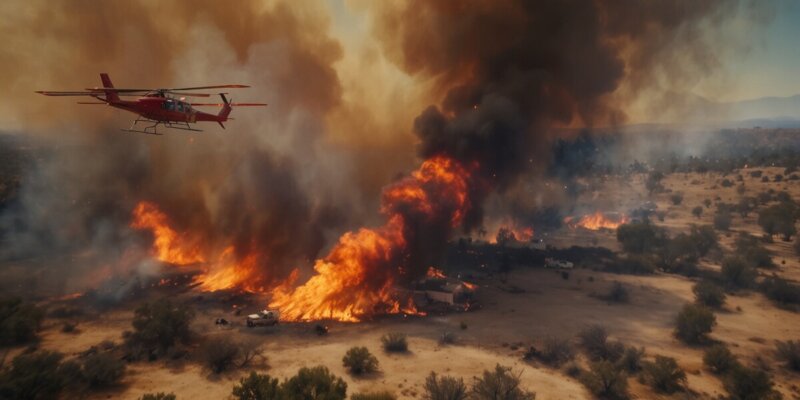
point(749, 384)
point(640, 237)
point(159, 325)
point(594, 340)
point(631, 359)
point(722, 221)
point(33, 376)
point(737, 273)
point(749, 248)
point(789, 353)
point(676, 198)
point(19, 321)
point(158, 396)
point(219, 353)
point(664, 375)
point(606, 381)
point(444, 388)
point(257, 387)
point(359, 361)
point(500, 384)
point(556, 351)
point(385, 395)
point(314, 383)
point(697, 211)
point(709, 294)
point(394, 342)
point(693, 323)
point(719, 359)
point(102, 370)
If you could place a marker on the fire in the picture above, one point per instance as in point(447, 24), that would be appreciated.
point(435, 273)
point(595, 221)
point(168, 245)
point(357, 277)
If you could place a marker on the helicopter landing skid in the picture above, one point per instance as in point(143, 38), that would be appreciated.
point(153, 129)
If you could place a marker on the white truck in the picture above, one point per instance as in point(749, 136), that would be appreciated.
point(262, 318)
point(556, 263)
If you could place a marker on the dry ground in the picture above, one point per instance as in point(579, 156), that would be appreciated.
point(508, 322)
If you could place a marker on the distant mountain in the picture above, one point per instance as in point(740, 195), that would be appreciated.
point(768, 112)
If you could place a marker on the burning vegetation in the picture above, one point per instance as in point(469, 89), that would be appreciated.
point(596, 221)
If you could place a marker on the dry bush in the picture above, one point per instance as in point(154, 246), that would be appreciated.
point(257, 387)
point(709, 294)
point(719, 359)
point(789, 353)
point(748, 383)
point(102, 370)
point(606, 381)
point(444, 388)
point(594, 340)
point(448, 338)
point(556, 351)
point(159, 325)
point(219, 354)
point(314, 383)
point(158, 396)
point(502, 383)
point(631, 360)
point(360, 361)
point(394, 342)
point(19, 321)
point(693, 323)
point(664, 375)
point(618, 293)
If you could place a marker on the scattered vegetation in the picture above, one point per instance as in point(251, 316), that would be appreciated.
point(34, 375)
point(618, 293)
point(789, 353)
point(219, 354)
point(556, 351)
point(631, 360)
point(102, 370)
point(736, 272)
point(502, 383)
point(314, 383)
point(693, 323)
point(697, 211)
point(640, 237)
point(676, 198)
point(719, 359)
point(394, 342)
point(749, 383)
point(754, 254)
point(709, 294)
point(606, 381)
point(360, 361)
point(779, 219)
point(594, 340)
point(19, 321)
point(781, 291)
point(664, 375)
point(158, 326)
point(257, 387)
point(722, 221)
point(444, 388)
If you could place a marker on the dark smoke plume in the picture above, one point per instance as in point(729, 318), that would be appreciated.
point(511, 70)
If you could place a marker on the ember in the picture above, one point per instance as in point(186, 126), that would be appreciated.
point(595, 221)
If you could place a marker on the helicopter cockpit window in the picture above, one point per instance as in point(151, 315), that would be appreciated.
point(170, 105)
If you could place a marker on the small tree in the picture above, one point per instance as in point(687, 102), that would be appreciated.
point(737, 273)
point(697, 211)
point(314, 383)
point(33, 376)
point(19, 321)
point(257, 387)
point(709, 294)
point(722, 221)
point(220, 353)
point(676, 198)
point(631, 359)
point(719, 359)
point(749, 384)
point(500, 384)
point(618, 293)
point(159, 325)
point(664, 375)
point(556, 351)
point(594, 339)
point(359, 361)
point(102, 370)
point(789, 352)
point(693, 323)
point(606, 381)
point(394, 342)
point(780, 290)
point(444, 388)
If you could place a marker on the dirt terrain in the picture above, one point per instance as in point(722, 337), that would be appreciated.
point(542, 304)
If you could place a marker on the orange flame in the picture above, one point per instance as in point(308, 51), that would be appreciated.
point(435, 273)
point(168, 245)
point(356, 278)
point(595, 221)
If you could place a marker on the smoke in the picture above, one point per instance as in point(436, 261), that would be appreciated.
point(508, 72)
point(269, 185)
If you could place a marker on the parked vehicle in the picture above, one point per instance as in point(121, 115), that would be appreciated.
point(262, 318)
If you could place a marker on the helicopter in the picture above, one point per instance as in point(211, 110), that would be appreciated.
point(159, 106)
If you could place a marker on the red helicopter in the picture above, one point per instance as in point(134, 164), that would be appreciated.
point(155, 106)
